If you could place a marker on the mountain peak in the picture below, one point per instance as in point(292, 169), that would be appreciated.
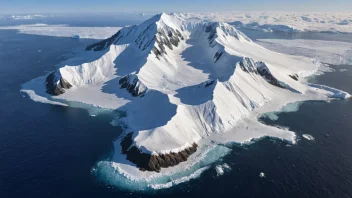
point(166, 30)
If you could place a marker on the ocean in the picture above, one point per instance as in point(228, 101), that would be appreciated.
point(49, 151)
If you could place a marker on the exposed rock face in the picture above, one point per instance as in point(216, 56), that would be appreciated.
point(259, 68)
point(264, 71)
point(217, 56)
point(213, 28)
point(169, 39)
point(148, 162)
point(145, 39)
point(56, 85)
point(294, 77)
point(209, 83)
point(248, 65)
point(133, 85)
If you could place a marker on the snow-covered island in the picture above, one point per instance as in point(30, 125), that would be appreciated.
point(184, 86)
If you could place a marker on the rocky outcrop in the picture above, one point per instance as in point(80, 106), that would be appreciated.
point(133, 85)
point(217, 56)
point(294, 77)
point(170, 39)
point(264, 71)
point(260, 68)
point(151, 162)
point(248, 65)
point(213, 29)
point(209, 83)
point(56, 85)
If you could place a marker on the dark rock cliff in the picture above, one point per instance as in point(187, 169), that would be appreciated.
point(294, 77)
point(148, 162)
point(172, 38)
point(264, 71)
point(56, 85)
point(133, 85)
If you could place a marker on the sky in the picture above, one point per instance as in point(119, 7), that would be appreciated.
point(100, 6)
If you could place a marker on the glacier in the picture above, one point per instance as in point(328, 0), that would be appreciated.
point(185, 87)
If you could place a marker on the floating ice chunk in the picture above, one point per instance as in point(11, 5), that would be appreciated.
point(308, 137)
point(219, 170)
point(226, 166)
point(343, 70)
point(76, 36)
point(262, 175)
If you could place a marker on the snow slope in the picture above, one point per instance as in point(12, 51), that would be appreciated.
point(182, 82)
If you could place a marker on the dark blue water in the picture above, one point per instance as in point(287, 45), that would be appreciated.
point(45, 150)
point(49, 151)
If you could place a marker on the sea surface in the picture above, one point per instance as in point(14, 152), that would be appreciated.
point(49, 151)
